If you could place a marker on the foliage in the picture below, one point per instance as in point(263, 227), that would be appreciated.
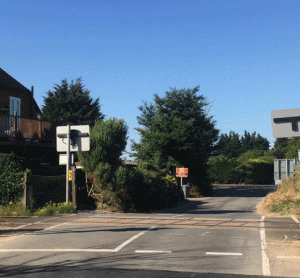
point(71, 104)
point(293, 145)
point(11, 179)
point(229, 145)
point(232, 145)
point(254, 171)
point(14, 209)
point(252, 167)
point(254, 142)
point(221, 169)
point(18, 209)
point(280, 148)
point(54, 209)
point(107, 142)
point(176, 131)
point(103, 165)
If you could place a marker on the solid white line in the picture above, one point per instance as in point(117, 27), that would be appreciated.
point(223, 253)
point(288, 257)
point(56, 250)
point(131, 239)
point(295, 219)
point(152, 251)
point(265, 260)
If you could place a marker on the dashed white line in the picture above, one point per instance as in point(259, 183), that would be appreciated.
point(152, 251)
point(224, 254)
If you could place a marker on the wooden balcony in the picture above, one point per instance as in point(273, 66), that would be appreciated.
point(14, 128)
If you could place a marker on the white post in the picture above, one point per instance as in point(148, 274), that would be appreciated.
point(68, 164)
point(181, 181)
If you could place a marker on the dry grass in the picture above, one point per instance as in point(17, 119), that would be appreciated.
point(285, 200)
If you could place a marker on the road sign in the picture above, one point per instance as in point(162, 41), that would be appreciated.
point(79, 135)
point(285, 123)
point(63, 159)
point(182, 172)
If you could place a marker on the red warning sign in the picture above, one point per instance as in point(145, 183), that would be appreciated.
point(182, 172)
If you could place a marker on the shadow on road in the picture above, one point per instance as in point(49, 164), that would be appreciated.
point(92, 268)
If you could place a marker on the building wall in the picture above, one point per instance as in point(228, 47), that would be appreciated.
point(26, 109)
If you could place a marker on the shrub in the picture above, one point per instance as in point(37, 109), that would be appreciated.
point(54, 209)
point(221, 169)
point(11, 179)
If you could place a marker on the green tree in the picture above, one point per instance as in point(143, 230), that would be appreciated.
point(280, 148)
point(176, 131)
point(108, 139)
point(293, 145)
point(103, 166)
point(11, 178)
point(254, 142)
point(71, 104)
point(229, 145)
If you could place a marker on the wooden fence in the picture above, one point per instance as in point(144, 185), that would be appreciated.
point(18, 127)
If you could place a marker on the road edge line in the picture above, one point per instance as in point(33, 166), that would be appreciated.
point(265, 259)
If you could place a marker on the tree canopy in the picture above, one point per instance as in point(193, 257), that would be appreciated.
point(176, 131)
point(108, 139)
point(71, 104)
point(232, 145)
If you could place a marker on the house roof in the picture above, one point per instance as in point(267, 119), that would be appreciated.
point(9, 83)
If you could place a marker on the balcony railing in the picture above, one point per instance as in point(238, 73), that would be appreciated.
point(17, 127)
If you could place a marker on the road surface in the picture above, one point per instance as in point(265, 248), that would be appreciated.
point(220, 236)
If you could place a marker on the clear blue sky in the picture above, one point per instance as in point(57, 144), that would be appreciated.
point(244, 55)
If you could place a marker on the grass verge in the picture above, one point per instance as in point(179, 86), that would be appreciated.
point(50, 209)
point(285, 200)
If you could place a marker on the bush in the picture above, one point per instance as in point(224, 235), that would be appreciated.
point(221, 169)
point(11, 179)
point(54, 209)
point(255, 171)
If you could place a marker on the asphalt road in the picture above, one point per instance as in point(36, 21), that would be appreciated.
point(220, 236)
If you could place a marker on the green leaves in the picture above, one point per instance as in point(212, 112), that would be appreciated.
point(11, 178)
point(70, 104)
point(176, 131)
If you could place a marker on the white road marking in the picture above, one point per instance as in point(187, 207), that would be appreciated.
point(131, 239)
point(152, 251)
point(224, 253)
point(288, 257)
point(38, 222)
point(205, 233)
point(57, 250)
point(265, 260)
point(295, 219)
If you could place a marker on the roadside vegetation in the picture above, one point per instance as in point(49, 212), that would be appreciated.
point(18, 209)
point(285, 200)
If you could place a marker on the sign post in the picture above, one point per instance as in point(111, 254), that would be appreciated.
point(68, 164)
point(182, 173)
point(72, 139)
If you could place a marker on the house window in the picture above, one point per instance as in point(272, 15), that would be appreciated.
point(15, 106)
